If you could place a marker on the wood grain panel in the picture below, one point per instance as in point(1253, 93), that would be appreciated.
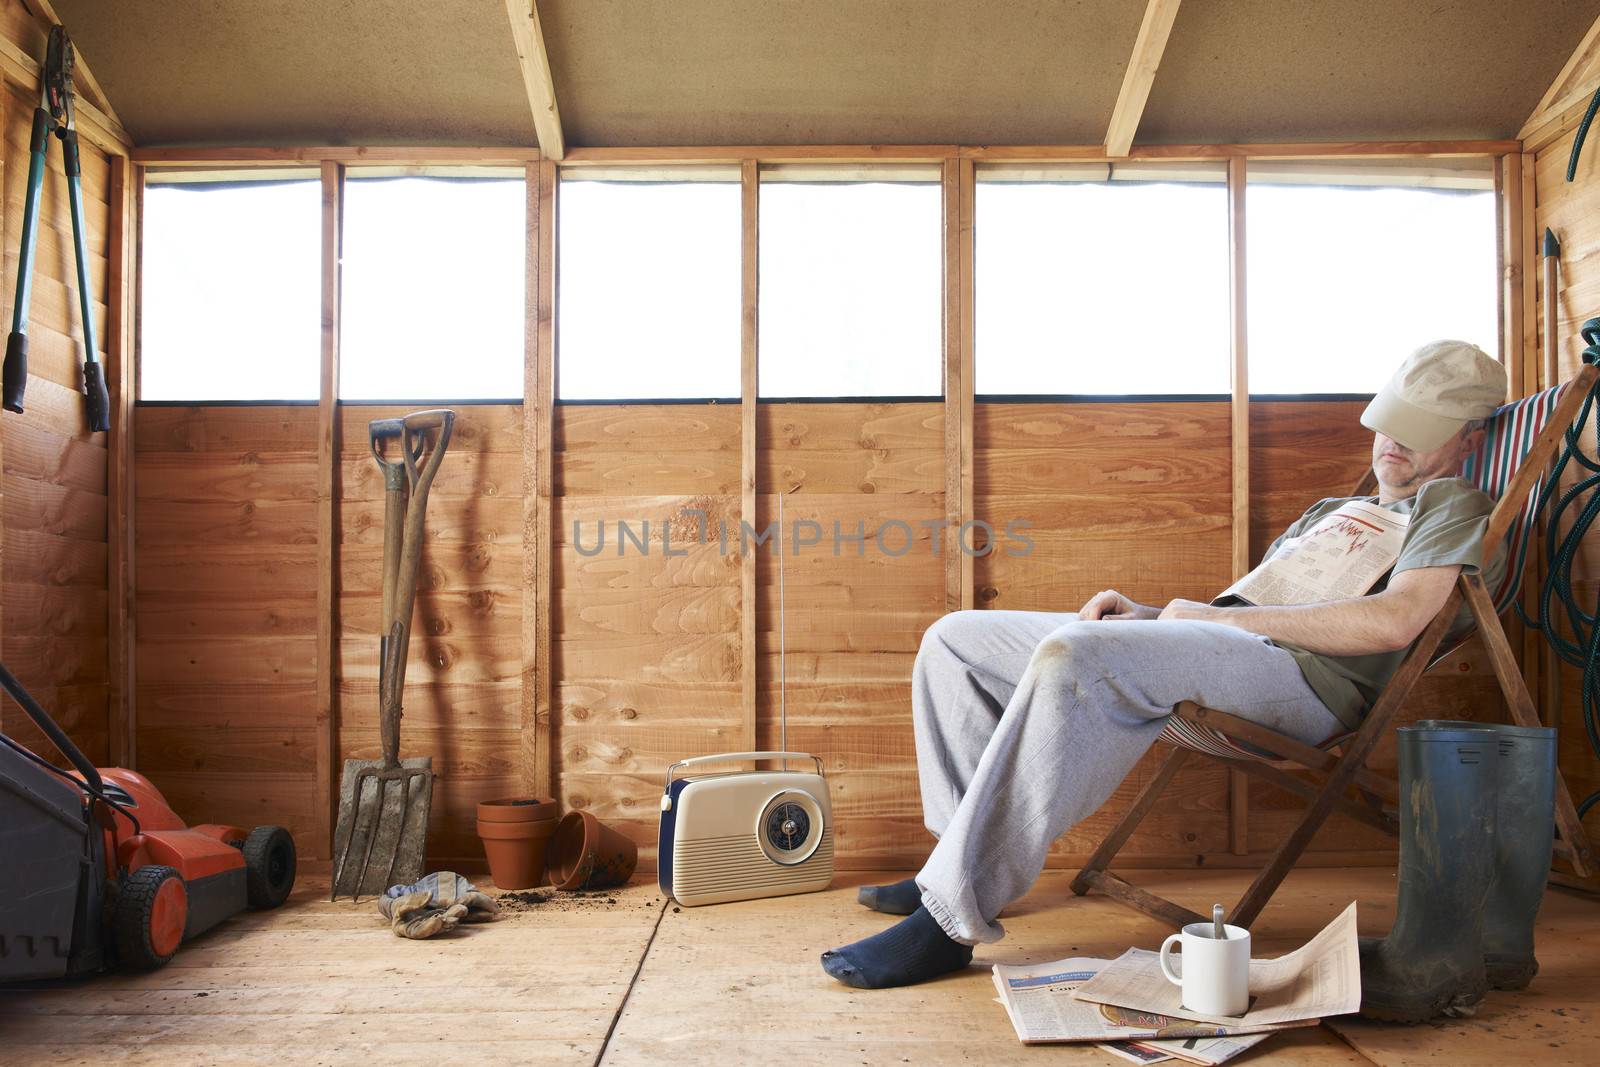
point(53, 521)
point(1572, 211)
point(462, 694)
point(225, 573)
point(646, 646)
point(1299, 453)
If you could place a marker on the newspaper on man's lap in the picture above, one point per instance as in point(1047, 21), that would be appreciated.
point(1339, 558)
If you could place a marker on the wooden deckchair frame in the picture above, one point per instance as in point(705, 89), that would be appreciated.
point(1336, 774)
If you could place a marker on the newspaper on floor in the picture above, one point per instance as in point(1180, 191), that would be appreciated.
point(1318, 979)
point(1038, 999)
point(1133, 1052)
point(1206, 1051)
point(1339, 558)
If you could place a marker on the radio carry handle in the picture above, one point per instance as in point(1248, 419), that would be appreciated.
point(728, 757)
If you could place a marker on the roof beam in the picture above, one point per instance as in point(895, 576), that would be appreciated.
point(1554, 100)
point(535, 65)
point(1140, 75)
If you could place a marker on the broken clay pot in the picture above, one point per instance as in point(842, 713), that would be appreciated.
point(587, 854)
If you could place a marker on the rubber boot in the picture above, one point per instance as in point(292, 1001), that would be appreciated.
point(1524, 834)
point(1432, 961)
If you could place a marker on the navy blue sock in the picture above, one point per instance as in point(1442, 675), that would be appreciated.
point(898, 898)
point(913, 950)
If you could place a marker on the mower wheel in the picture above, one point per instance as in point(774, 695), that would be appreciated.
point(151, 911)
point(268, 866)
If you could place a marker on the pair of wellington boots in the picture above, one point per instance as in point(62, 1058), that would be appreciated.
point(1476, 827)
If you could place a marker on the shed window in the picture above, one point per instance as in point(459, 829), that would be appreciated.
point(851, 268)
point(230, 305)
point(648, 296)
point(1351, 266)
point(433, 288)
point(1098, 279)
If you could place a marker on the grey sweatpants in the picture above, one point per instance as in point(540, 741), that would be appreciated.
point(1027, 721)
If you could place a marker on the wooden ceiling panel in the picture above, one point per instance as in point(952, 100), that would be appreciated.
point(438, 72)
point(698, 72)
point(1288, 70)
point(703, 72)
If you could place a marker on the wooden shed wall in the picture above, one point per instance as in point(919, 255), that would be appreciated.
point(54, 525)
point(463, 680)
point(1572, 211)
point(647, 646)
point(226, 563)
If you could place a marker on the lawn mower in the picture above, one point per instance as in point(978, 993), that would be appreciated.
point(96, 871)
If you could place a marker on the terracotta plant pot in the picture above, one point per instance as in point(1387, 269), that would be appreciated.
point(518, 809)
point(587, 854)
point(514, 838)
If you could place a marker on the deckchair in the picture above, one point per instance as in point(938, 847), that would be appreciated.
point(1520, 442)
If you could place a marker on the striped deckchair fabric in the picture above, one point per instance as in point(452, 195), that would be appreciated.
point(1509, 435)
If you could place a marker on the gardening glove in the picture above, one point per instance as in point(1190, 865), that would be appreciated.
point(434, 905)
point(412, 915)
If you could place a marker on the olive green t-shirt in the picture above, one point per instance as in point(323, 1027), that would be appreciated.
point(1448, 519)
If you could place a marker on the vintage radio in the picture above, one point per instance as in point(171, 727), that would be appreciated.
point(737, 835)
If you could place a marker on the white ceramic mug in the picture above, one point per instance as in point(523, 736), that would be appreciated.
point(1216, 974)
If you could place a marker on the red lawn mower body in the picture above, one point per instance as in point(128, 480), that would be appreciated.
point(97, 870)
point(208, 858)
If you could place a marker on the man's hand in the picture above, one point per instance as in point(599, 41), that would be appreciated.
point(1192, 610)
point(1110, 604)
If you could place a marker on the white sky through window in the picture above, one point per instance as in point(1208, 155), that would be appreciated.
point(1101, 287)
point(850, 291)
point(433, 289)
point(649, 293)
point(1081, 288)
point(231, 303)
point(1344, 282)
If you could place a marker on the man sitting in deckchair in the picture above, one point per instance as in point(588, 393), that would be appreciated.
point(1027, 721)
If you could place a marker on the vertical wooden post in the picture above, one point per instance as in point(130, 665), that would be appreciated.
point(1239, 410)
point(958, 180)
point(749, 574)
point(1535, 658)
point(8, 285)
point(538, 468)
point(1508, 174)
point(535, 419)
point(969, 179)
point(119, 459)
point(328, 762)
point(1529, 301)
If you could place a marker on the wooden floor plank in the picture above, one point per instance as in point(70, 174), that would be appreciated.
point(318, 983)
point(738, 981)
